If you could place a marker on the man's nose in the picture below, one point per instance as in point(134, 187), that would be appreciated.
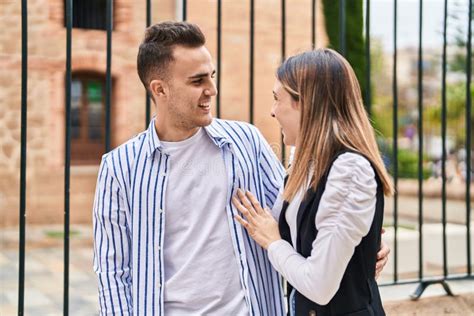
point(211, 90)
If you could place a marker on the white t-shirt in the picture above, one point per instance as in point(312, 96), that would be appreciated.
point(201, 269)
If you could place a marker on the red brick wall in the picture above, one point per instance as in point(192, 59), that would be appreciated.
point(46, 72)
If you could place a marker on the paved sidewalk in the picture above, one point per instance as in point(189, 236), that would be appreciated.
point(44, 272)
point(462, 305)
point(44, 278)
point(44, 282)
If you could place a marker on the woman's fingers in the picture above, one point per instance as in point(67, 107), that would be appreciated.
point(255, 203)
point(245, 202)
point(267, 212)
point(242, 209)
point(384, 251)
point(244, 223)
point(380, 265)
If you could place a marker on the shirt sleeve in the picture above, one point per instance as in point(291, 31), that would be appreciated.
point(344, 217)
point(111, 246)
point(271, 171)
point(278, 204)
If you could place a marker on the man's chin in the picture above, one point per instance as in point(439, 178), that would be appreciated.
point(206, 121)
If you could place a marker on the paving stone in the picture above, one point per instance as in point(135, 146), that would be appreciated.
point(8, 272)
point(3, 260)
point(43, 310)
point(8, 309)
point(44, 283)
point(36, 298)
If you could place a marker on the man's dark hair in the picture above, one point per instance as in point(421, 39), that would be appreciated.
point(156, 50)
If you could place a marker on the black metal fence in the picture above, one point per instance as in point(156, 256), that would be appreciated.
point(421, 279)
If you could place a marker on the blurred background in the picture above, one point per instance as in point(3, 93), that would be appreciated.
point(412, 59)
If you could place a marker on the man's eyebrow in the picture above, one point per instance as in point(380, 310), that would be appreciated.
point(201, 75)
point(274, 93)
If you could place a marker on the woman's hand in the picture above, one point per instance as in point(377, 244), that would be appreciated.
point(259, 222)
point(382, 257)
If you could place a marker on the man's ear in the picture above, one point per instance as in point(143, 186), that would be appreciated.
point(158, 88)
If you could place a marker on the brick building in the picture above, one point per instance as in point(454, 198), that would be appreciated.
point(46, 82)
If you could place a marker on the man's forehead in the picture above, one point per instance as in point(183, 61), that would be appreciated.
point(191, 54)
point(192, 59)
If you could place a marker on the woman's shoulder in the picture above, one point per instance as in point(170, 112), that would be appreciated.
point(351, 165)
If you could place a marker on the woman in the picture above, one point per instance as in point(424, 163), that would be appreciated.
point(325, 244)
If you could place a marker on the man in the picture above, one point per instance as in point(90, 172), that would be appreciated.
point(166, 241)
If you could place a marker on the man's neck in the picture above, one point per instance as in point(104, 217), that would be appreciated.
point(171, 133)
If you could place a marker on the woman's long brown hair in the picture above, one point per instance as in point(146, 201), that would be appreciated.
point(333, 117)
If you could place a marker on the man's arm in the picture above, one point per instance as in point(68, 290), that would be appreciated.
point(112, 259)
point(272, 172)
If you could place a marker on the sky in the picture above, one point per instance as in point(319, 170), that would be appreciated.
point(381, 21)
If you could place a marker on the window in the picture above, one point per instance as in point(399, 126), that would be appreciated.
point(88, 14)
point(87, 118)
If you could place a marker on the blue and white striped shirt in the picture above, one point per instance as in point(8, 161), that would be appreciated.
point(129, 214)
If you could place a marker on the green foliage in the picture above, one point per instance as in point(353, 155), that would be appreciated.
point(458, 61)
point(382, 120)
point(455, 112)
point(60, 234)
point(354, 34)
point(407, 164)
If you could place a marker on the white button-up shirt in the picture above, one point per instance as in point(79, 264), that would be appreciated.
point(130, 210)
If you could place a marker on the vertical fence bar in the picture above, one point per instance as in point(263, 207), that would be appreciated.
point(67, 158)
point(108, 73)
point(185, 10)
point(252, 53)
point(24, 107)
point(395, 143)
point(368, 91)
point(148, 13)
point(313, 24)
point(443, 139)
point(147, 96)
point(283, 57)
point(342, 27)
point(219, 56)
point(420, 140)
point(468, 138)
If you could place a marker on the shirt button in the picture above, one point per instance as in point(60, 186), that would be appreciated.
point(158, 285)
point(160, 211)
point(159, 248)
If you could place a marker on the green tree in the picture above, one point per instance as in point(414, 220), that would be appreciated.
point(355, 50)
point(455, 113)
point(459, 58)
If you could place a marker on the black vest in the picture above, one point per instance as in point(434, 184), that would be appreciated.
point(358, 293)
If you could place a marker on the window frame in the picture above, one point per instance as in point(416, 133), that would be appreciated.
point(84, 150)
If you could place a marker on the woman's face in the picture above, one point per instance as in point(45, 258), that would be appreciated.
point(287, 112)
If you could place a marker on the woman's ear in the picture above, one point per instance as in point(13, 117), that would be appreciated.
point(295, 104)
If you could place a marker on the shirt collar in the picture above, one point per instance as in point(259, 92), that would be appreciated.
point(214, 131)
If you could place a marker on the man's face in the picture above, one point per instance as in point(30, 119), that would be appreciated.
point(191, 87)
